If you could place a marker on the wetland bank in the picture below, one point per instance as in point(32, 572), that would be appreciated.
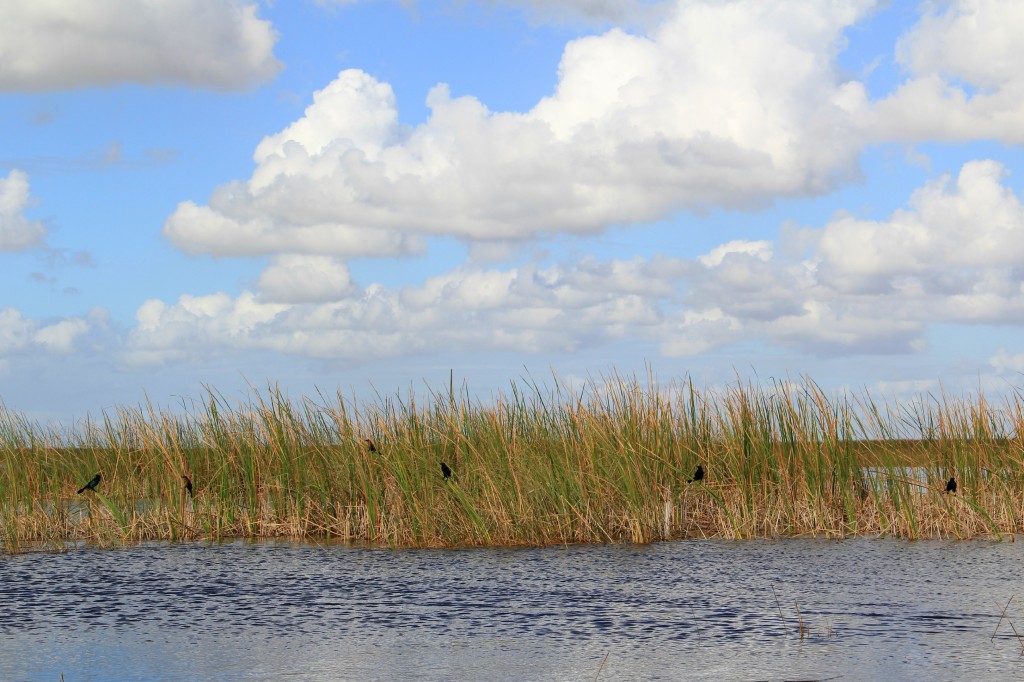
point(607, 462)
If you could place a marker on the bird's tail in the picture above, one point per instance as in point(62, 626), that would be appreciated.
point(82, 489)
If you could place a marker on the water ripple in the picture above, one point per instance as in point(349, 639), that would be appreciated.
point(785, 608)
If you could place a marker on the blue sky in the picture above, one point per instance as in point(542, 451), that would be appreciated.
point(370, 194)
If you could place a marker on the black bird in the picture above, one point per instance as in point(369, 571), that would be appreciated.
point(445, 471)
point(951, 485)
point(188, 485)
point(91, 485)
point(698, 475)
point(369, 444)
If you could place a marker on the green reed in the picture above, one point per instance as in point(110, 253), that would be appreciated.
point(608, 461)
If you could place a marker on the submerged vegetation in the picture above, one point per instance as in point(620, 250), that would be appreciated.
point(611, 461)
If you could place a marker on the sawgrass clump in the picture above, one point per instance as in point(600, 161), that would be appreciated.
point(610, 461)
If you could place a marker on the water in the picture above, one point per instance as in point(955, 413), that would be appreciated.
point(700, 610)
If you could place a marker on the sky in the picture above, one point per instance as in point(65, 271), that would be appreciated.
point(364, 196)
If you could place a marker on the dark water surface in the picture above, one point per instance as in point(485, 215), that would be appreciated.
point(703, 610)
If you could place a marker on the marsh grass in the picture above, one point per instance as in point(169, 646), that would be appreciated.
point(608, 462)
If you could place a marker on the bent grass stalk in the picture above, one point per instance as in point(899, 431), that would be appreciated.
point(544, 464)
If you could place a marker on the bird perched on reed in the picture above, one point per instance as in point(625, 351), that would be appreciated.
point(951, 485)
point(370, 445)
point(698, 475)
point(91, 485)
point(446, 471)
point(188, 485)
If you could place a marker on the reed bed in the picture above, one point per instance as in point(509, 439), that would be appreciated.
point(610, 461)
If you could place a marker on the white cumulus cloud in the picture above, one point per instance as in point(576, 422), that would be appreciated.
point(20, 334)
point(974, 41)
point(965, 83)
point(954, 254)
point(762, 250)
point(949, 230)
point(58, 44)
point(60, 336)
point(304, 279)
point(16, 231)
point(1003, 361)
point(722, 104)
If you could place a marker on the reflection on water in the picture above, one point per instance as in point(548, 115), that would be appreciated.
point(875, 609)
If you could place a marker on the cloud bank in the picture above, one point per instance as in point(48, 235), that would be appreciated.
point(953, 254)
